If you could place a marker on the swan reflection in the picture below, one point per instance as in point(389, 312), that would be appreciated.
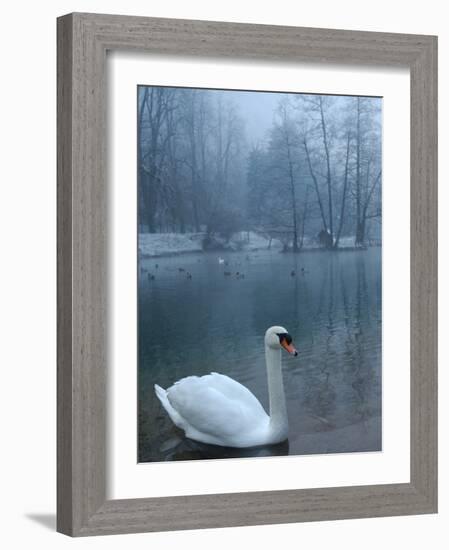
point(187, 449)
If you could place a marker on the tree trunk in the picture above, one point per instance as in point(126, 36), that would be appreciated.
point(343, 199)
point(304, 216)
point(193, 168)
point(293, 195)
point(361, 227)
point(315, 184)
point(328, 175)
point(359, 233)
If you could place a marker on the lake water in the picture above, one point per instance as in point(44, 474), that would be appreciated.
point(213, 322)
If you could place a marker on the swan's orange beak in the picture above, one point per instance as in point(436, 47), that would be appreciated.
point(289, 347)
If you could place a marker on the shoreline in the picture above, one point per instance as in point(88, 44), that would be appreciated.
point(166, 245)
point(171, 254)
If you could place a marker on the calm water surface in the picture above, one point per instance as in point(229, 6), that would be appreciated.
point(214, 322)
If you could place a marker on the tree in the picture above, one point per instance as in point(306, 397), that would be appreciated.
point(318, 133)
point(345, 189)
point(154, 107)
point(284, 166)
point(318, 172)
point(190, 121)
point(368, 165)
point(227, 173)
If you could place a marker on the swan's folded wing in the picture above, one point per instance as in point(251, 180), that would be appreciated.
point(208, 410)
point(232, 389)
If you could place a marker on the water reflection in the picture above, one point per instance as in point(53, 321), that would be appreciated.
point(179, 447)
point(333, 311)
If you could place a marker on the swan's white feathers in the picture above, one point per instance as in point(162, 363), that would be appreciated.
point(172, 413)
point(232, 389)
point(217, 408)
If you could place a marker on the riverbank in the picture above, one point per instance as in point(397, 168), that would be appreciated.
point(156, 245)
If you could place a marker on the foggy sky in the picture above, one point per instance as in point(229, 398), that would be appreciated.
point(257, 109)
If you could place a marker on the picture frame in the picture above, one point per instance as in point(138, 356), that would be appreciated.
point(83, 40)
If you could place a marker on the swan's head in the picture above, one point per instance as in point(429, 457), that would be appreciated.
point(277, 338)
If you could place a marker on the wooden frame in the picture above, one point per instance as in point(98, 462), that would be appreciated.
point(83, 40)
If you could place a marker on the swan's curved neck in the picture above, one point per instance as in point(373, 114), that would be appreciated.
point(278, 407)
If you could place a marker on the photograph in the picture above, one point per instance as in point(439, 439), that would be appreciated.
point(259, 251)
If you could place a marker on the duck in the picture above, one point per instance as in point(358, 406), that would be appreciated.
point(218, 410)
point(221, 260)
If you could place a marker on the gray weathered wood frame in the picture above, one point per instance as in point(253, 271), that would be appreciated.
point(83, 40)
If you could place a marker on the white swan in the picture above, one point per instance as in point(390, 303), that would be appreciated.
point(216, 409)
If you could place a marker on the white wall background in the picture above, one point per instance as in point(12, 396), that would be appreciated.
point(27, 287)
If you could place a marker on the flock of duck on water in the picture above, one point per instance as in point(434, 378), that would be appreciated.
point(221, 261)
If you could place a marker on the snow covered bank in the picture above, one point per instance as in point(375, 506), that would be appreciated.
point(152, 245)
point(344, 242)
point(168, 244)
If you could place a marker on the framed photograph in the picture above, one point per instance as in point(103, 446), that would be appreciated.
point(247, 274)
